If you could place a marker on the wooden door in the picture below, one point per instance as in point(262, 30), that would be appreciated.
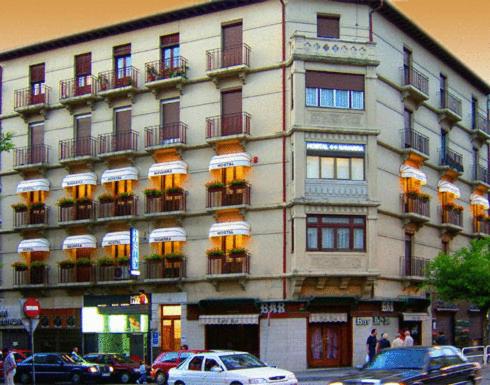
point(36, 139)
point(82, 135)
point(232, 44)
point(123, 138)
point(329, 344)
point(231, 112)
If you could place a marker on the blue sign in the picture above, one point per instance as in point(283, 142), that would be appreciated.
point(155, 339)
point(134, 251)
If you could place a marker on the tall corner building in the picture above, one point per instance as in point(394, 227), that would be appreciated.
point(290, 169)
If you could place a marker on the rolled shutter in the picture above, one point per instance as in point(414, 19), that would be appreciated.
point(232, 36)
point(122, 50)
point(37, 73)
point(169, 40)
point(123, 120)
point(171, 112)
point(231, 102)
point(83, 126)
point(333, 80)
point(83, 64)
point(328, 26)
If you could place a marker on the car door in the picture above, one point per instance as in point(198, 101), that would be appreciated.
point(457, 370)
point(210, 375)
point(435, 374)
point(193, 374)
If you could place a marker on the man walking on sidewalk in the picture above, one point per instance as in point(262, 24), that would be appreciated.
point(371, 344)
point(9, 367)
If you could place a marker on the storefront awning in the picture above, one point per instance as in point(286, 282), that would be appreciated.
point(30, 245)
point(229, 319)
point(229, 228)
point(79, 179)
point(126, 173)
point(412, 172)
point(80, 242)
point(445, 186)
point(479, 200)
point(116, 238)
point(415, 316)
point(328, 317)
point(168, 168)
point(168, 234)
point(230, 160)
point(33, 185)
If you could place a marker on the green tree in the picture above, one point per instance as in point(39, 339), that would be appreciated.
point(6, 142)
point(464, 276)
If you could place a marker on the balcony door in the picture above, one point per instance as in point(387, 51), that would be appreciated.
point(407, 65)
point(122, 140)
point(169, 130)
point(83, 70)
point(232, 43)
point(36, 142)
point(83, 143)
point(443, 90)
point(122, 64)
point(37, 74)
point(408, 254)
point(170, 52)
point(231, 112)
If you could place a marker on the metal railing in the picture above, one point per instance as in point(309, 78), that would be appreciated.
point(165, 69)
point(77, 212)
point(481, 173)
point(166, 134)
point(477, 353)
point(415, 78)
point(31, 155)
point(452, 159)
point(31, 217)
point(228, 196)
point(122, 77)
point(120, 207)
point(76, 274)
point(73, 148)
point(28, 97)
point(112, 273)
point(79, 86)
point(226, 125)
point(166, 269)
point(413, 266)
point(121, 141)
point(31, 276)
point(412, 203)
point(165, 203)
point(451, 216)
point(481, 226)
point(228, 264)
point(451, 102)
point(414, 139)
point(229, 57)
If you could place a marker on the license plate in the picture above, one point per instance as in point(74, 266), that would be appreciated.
point(106, 374)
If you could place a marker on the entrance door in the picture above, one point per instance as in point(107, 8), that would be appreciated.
point(445, 323)
point(325, 347)
point(233, 337)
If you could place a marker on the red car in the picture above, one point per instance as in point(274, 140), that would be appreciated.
point(125, 369)
point(166, 361)
point(19, 354)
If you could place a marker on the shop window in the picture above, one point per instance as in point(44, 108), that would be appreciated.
point(171, 327)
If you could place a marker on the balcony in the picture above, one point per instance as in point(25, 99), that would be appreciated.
point(33, 217)
point(229, 197)
point(229, 62)
point(452, 217)
point(165, 270)
point(78, 150)
point(77, 214)
point(481, 127)
point(481, 177)
point(30, 158)
point(118, 84)
point(78, 92)
point(481, 226)
point(166, 204)
point(413, 267)
point(309, 47)
point(121, 208)
point(415, 88)
point(415, 207)
point(415, 144)
point(31, 277)
point(228, 267)
point(171, 135)
point(118, 145)
point(77, 275)
point(112, 273)
point(450, 111)
point(165, 74)
point(452, 160)
point(228, 127)
point(29, 101)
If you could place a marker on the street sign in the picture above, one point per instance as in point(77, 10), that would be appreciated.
point(31, 308)
point(155, 339)
point(134, 251)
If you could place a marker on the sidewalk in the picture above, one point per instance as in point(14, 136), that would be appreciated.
point(312, 375)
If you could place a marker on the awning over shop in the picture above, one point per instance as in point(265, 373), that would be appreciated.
point(328, 317)
point(229, 319)
point(80, 242)
point(407, 171)
point(479, 200)
point(415, 316)
point(116, 238)
point(229, 228)
point(168, 234)
point(230, 160)
point(445, 186)
point(168, 168)
point(79, 179)
point(126, 173)
point(30, 245)
point(33, 185)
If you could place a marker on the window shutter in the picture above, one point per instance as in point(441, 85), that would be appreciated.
point(122, 50)
point(332, 80)
point(328, 26)
point(83, 126)
point(168, 40)
point(232, 36)
point(37, 73)
point(231, 102)
point(170, 112)
point(123, 120)
point(83, 64)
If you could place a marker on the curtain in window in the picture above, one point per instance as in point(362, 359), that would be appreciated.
point(328, 239)
point(312, 97)
point(341, 99)
point(359, 239)
point(342, 238)
point(312, 239)
point(326, 98)
point(357, 100)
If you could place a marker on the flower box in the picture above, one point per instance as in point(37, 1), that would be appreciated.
point(153, 192)
point(215, 185)
point(215, 253)
point(174, 191)
point(20, 266)
point(19, 207)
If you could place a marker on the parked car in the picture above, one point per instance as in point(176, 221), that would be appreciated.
point(438, 365)
point(56, 367)
point(227, 367)
point(105, 370)
point(124, 371)
point(19, 354)
point(166, 361)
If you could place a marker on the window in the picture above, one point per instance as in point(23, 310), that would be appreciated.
point(407, 64)
point(211, 363)
point(335, 233)
point(122, 61)
point(122, 120)
point(170, 51)
point(196, 363)
point(83, 70)
point(334, 90)
point(474, 113)
point(407, 119)
point(328, 26)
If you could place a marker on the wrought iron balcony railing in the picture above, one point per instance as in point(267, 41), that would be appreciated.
point(229, 196)
point(229, 57)
point(166, 69)
point(77, 147)
point(413, 139)
point(228, 125)
point(121, 141)
point(27, 97)
point(165, 135)
point(114, 79)
point(413, 203)
point(76, 87)
point(37, 154)
point(413, 266)
point(416, 79)
point(229, 264)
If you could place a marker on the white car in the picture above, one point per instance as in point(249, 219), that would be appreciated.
point(227, 367)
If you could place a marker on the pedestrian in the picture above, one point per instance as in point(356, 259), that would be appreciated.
point(441, 338)
point(408, 339)
point(184, 347)
point(384, 342)
point(74, 354)
point(9, 367)
point(142, 371)
point(371, 344)
point(398, 341)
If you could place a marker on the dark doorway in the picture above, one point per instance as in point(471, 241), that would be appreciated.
point(415, 329)
point(233, 337)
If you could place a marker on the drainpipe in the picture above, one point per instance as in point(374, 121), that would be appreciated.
point(380, 5)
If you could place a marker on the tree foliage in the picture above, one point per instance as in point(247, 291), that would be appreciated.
point(6, 142)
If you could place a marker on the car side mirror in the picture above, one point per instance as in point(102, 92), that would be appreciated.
point(434, 368)
point(216, 369)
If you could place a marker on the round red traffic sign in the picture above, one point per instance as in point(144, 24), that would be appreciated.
point(31, 308)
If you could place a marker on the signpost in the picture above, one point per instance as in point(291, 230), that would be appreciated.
point(31, 309)
point(134, 251)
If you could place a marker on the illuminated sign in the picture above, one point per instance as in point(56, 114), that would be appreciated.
point(140, 299)
point(337, 147)
point(134, 252)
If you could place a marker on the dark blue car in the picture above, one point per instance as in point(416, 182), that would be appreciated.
point(56, 367)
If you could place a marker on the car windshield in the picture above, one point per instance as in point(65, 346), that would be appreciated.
point(241, 361)
point(398, 359)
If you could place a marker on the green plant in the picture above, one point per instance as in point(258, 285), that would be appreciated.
point(238, 251)
point(174, 191)
point(106, 261)
point(106, 198)
point(122, 260)
point(215, 252)
point(153, 257)
point(84, 201)
point(83, 262)
point(238, 183)
point(174, 255)
point(65, 202)
point(37, 206)
point(19, 207)
point(152, 192)
point(215, 184)
point(67, 263)
point(20, 266)
point(125, 195)
point(38, 265)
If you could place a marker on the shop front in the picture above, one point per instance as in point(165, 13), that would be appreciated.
point(12, 328)
point(58, 330)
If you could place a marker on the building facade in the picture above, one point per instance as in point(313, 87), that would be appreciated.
point(290, 168)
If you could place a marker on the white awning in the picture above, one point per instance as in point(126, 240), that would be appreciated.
point(80, 242)
point(79, 179)
point(168, 234)
point(407, 171)
point(479, 200)
point(328, 317)
point(229, 319)
point(126, 173)
point(33, 185)
point(415, 316)
point(116, 238)
point(229, 228)
point(230, 160)
point(168, 168)
point(29, 245)
point(445, 186)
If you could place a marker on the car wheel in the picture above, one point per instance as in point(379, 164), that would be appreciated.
point(75, 378)
point(179, 383)
point(161, 378)
point(25, 378)
point(124, 377)
point(236, 383)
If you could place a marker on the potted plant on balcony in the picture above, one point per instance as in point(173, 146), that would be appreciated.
point(37, 206)
point(215, 253)
point(237, 252)
point(106, 261)
point(122, 261)
point(152, 73)
point(153, 193)
point(67, 264)
point(84, 201)
point(84, 267)
point(65, 202)
point(174, 191)
point(215, 185)
point(125, 196)
point(19, 207)
point(103, 82)
point(153, 258)
point(20, 266)
point(237, 184)
point(106, 198)
point(174, 255)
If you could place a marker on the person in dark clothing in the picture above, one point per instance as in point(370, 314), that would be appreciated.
point(441, 338)
point(371, 343)
point(384, 342)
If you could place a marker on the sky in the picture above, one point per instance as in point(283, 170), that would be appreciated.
point(461, 26)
